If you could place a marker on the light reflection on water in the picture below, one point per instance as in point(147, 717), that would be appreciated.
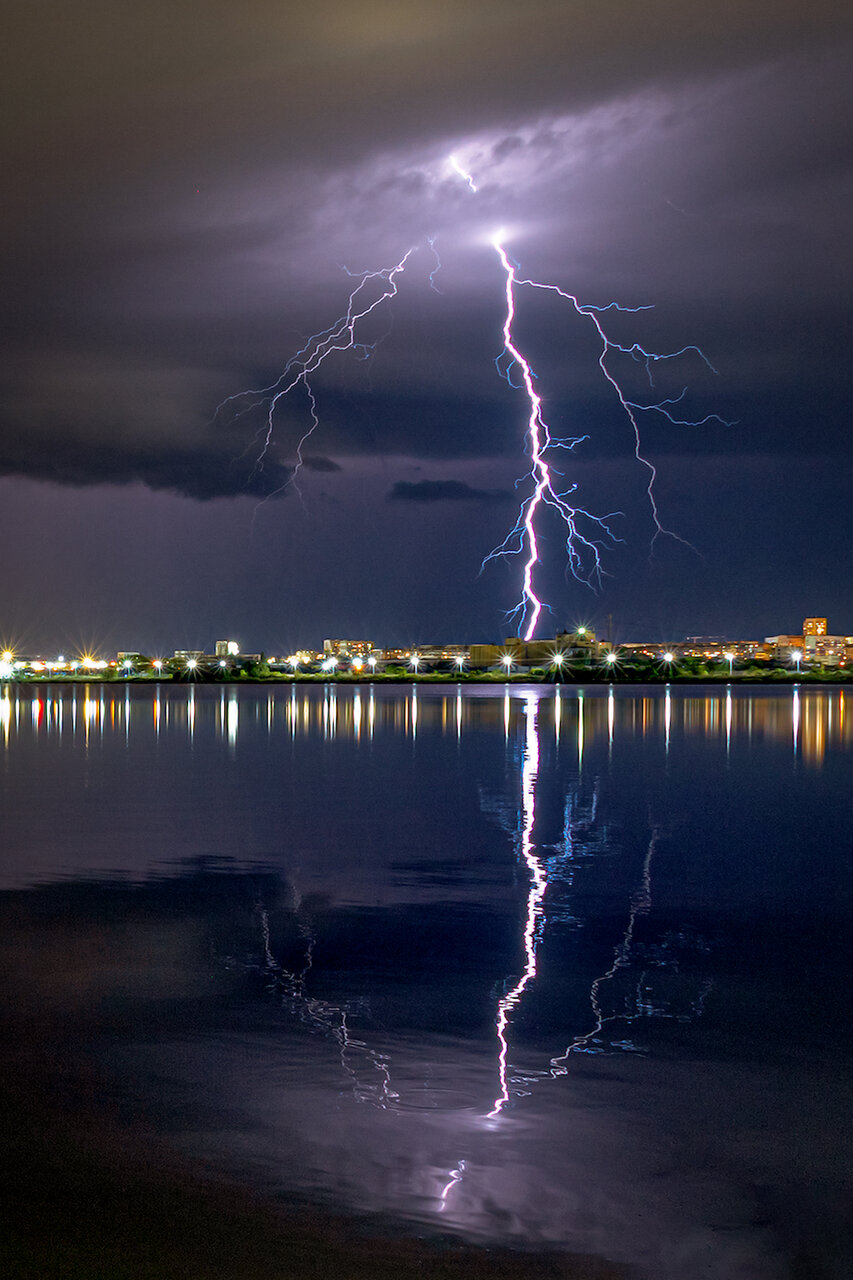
point(527, 963)
point(811, 719)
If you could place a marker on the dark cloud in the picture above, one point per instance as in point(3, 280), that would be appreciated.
point(318, 463)
point(199, 475)
point(180, 199)
point(445, 491)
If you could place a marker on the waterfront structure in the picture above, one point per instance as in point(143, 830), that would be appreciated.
point(711, 648)
point(438, 653)
point(226, 649)
point(813, 648)
point(347, 648)
point(574, 646)
point(829, 651)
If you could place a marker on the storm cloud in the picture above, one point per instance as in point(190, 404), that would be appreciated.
point(445, 491)
point(184, 201)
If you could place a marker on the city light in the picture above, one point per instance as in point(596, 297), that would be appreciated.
point(415, 661)
point(460, 661)
point(507, 662)
point(371, 662)
point(668, 656)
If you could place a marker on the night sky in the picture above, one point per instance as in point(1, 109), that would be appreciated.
point(183, 186)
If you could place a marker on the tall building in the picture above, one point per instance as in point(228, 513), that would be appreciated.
point(814, 627)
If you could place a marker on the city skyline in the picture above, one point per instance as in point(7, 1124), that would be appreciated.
point(814, 645)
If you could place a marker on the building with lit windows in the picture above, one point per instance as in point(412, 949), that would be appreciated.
point(348, 648)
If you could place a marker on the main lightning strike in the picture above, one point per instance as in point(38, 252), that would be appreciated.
point(539, 440)
point(584, 552)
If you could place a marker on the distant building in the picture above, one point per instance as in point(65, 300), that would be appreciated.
point(348, 648)
point(441, 652)
point(828, 651)
point(566, 645)
point(226, 649)
point(814, 627)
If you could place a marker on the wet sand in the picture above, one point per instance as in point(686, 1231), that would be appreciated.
point(88, 1190)
point(83, 1198)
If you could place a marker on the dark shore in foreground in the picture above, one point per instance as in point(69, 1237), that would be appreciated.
point(89, 1192)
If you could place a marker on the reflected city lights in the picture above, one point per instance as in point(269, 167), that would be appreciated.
point(812, 721)
point(580, 729)
point(728, 720)
point(795, 719)
point(233, 722)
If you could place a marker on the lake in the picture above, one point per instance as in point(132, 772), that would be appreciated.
point(525, 980)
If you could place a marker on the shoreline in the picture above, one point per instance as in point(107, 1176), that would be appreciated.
point(626, 679)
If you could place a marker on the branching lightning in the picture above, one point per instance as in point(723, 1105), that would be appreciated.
point(586, 534)
point(583, 548)
point(341, 336)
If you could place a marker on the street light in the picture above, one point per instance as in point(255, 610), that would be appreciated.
point(729, 657)
point(460, 661)
point(507, 662)
point(415, 661)
point(157, 665)
point(371, 662)
point(610, 659)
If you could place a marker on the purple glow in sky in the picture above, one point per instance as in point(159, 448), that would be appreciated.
point(178, 208)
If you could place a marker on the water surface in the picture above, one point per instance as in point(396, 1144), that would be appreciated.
point(549, 969)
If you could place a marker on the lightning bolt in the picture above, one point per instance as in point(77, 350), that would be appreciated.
point(578, 546)
point(583, 548)
point(586, 534)
point(374, 288)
